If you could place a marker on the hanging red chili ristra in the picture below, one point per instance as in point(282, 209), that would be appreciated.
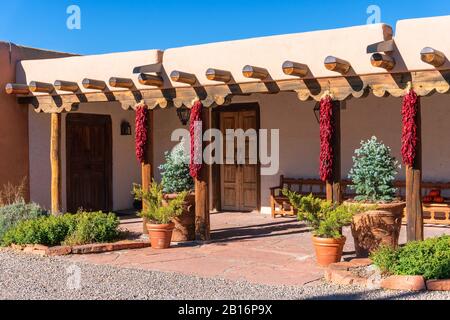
point(141, 131)
point(326, 138)
point(196, 142)
point(410, 108)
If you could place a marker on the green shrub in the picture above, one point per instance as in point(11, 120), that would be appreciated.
point(429, 258)
point(12, 214)
point(95, 227)
point(158, 210)
point(325, 218)
point(175, 171)
point(48, 231)
point(373, 172)
point(82, 228)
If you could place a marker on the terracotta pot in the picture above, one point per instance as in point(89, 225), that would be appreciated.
point(378, 227)
point(184, 224)
point(328, 250)
point(160, 235)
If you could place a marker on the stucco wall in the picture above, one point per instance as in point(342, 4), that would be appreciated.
point(299, 140)
point(126, 169)
point(14, 118)
point(361, 119)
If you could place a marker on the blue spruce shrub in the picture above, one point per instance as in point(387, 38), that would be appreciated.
point(373, 173)
point(175, 171)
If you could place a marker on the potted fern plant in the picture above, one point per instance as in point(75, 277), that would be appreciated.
point(327, 221)
point(159, 213)
point(177, 179)
point(373, 174)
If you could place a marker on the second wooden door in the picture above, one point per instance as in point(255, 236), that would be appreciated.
point(239, 182)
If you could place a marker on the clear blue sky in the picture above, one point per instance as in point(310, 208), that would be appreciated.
point(108, 26)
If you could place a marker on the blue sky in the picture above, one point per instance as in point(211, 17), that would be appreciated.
point(109, 26)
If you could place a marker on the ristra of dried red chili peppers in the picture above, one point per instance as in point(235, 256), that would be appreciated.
point(141, 131)
point(326, 138)
point(196, 141)
point(410, 108)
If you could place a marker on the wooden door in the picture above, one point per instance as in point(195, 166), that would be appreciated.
point(239, 182)
point(89, 162)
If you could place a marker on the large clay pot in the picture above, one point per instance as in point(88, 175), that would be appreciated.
point(378, 227)
point(160, 235)
point(328, 250)
point(184, 224)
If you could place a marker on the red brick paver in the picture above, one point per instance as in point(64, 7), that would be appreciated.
point(245, 246)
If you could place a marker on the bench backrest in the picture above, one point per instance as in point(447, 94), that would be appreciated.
point(314, 186)
point(317, 186)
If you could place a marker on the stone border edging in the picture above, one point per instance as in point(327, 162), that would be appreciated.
point(83, 249)
point(340, 274)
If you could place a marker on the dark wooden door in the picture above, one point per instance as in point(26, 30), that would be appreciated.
point(89, 162)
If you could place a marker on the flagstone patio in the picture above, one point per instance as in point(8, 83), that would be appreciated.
point(245, 246)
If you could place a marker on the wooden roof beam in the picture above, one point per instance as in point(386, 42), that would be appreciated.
point(151, 80)
point(218, 75)
point(337, 65)
point(94, 84)
point(15, 88)
point(433, 57)
point(121, 83)
point(383, 46)
point(183, 77)
point(255, 72)
point(68, 86)
point(384, 61)
point(41, 87)
point(296, 69)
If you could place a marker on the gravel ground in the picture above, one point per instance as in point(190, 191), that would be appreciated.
point(30, 277)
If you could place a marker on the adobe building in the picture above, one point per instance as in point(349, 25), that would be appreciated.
point(81, 103)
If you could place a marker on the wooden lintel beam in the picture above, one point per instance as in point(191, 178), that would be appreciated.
point(255, 72)
point(337, 65)
point(433, 57)
point(15, 88)
point(296, 69)
point(68, 86)
point(41, 87)
point(384, 61)
point(219, 75)
point(94, 84)
point(183, 77)
point(151, 80)
point(126, 83)
point(425, 82)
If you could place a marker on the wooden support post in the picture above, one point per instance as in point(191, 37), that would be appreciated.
point(147, 166)
point(202, 218)
point(55, 163)
point(333, 187)
point(414, 209)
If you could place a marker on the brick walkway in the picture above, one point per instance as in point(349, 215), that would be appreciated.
point(249, 247)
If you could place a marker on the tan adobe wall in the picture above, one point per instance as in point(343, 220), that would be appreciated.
point(14, 118)
point(97, 67)
point(126, 169)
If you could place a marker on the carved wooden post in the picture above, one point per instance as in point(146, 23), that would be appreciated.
point(414, 209)
point(147, 165)
point(55, 163)
point(333, 186)
point(202, 218)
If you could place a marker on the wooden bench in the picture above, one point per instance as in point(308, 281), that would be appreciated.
point(434, 213)
point(280, 204)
